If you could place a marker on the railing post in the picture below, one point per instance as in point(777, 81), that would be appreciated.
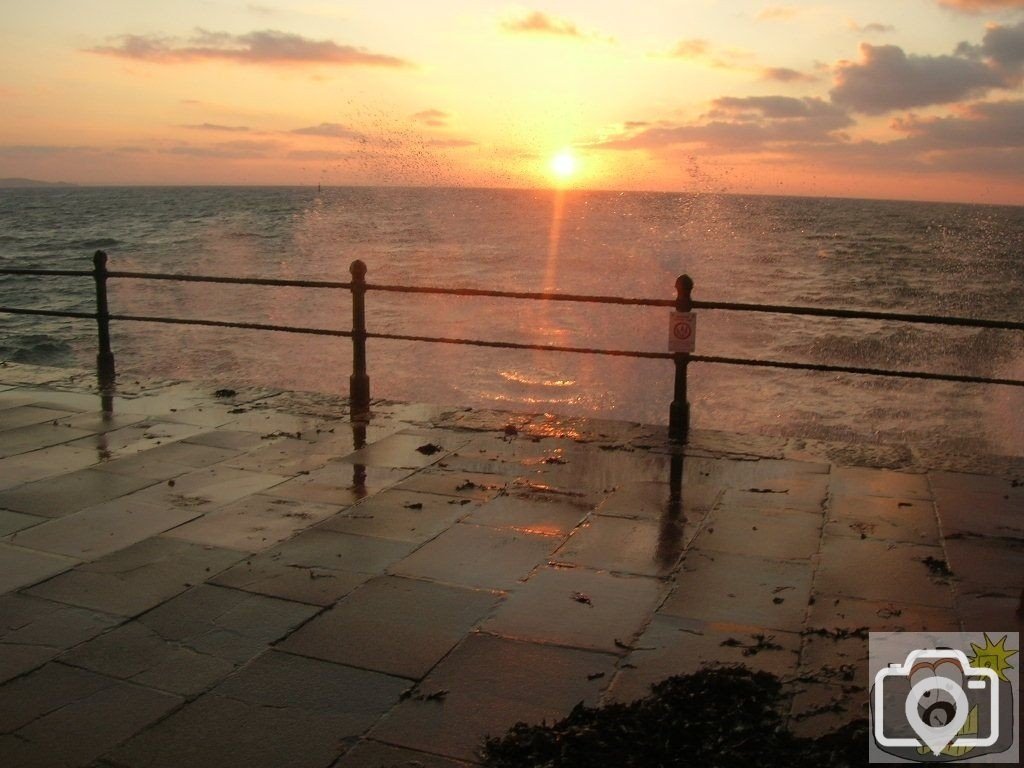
point(679, 411)
point(106, 373)
point(359, 381)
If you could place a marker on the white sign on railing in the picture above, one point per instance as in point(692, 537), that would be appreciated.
point(682, 331)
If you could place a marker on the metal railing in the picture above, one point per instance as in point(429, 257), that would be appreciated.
point(359, 381)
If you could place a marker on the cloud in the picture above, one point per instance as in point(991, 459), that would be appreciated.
point(330, 130)
point(268, 47)
point(542, 23)
point(786, 75)
point(777, 13)
point(432, 117)
point(746, 123)
point(1002, 46)
point(216, 127)
point(699, 49)
point(886, 79)
point(320, 154)
point(871, 28)
point(994, 124)
point(450, 143)
point(538, 23)
point(980, 6)
point(227, 150)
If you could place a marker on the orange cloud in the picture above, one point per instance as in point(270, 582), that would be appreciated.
point(217, 127)
point(539, 23)
point(777, 13)
point(432, 117)
point(786, 75)
point(268, 47)
point(331, 131)
point(979, 6)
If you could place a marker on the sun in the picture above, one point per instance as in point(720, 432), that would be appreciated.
point(564, 165)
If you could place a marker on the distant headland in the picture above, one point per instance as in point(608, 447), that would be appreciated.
point(18, 183)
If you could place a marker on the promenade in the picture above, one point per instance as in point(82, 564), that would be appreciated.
point(247, 578)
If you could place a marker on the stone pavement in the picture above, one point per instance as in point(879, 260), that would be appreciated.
point(251, 580)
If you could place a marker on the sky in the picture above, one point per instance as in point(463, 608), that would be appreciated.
point(905, 99)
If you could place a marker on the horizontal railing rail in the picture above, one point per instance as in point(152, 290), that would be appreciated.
point(359, 381)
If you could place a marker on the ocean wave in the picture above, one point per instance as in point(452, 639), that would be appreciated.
point(37, 349)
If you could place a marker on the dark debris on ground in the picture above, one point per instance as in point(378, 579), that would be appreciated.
point(716, 718)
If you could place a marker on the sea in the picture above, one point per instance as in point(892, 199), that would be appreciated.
point(908, 257)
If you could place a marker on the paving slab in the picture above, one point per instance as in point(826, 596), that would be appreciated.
point(780, 534)
point(987, 565)
point(16, 659)
point(401, 515)
point(20, 567)
point(751, 591)
point(46, 462)
point(466, 485)
point(97, 531)
point(876, 517)
point(372, 754)
point(29, 620)
point(142, 436)
point(280, 710)
point(674, 646)
point(491, 684)
point(238, 440)
point(58, 399)
point(863, 481)
point(208, 489)
point(647, 547)
point(651, 500)
point(253, 523)
point(339, 484)
point(82, 730)
point(409, 451)
point(317, 566)
point(191, 642)
point(59, 496)
point(11, 522)
point(26, 415)
point(288, 456)
point(880, 570)
point(533, 513)
point(579, 608)
point(45, 690)
point(36, 436)
point(979, 514)
point(837, 612)
point(478, 556)
point(398, 626)
point(99, 422)
point(137, 578)
point(136, 653)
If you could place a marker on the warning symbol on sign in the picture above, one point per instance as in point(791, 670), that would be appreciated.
point(682, 331)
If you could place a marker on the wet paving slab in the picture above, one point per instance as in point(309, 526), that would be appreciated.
point(249, 578)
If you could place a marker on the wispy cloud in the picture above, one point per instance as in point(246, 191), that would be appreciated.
point(450, 143)
point(747, 123)
point(980, 6)
point(777, 13)
point(871, 28)
point(216, 127)
point(268, 47)
point(699, 49)
point(786, 75)
point(227, 150)
point(330, 130)
point(539, 23)
point(435, 118)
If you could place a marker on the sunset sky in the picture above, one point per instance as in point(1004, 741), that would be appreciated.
point(913, 99)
